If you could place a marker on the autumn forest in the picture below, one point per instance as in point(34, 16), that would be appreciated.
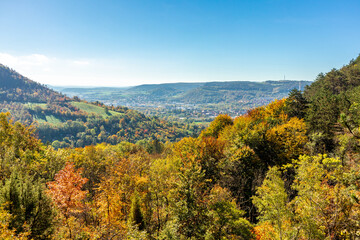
point(287, 170)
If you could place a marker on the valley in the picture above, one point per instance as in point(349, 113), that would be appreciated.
point(189, 102)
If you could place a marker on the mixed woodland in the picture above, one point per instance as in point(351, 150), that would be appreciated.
point(287, 170)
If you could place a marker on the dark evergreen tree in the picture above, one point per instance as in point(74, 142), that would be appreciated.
point(136, 217)
point(29, 206)
point(296, 104)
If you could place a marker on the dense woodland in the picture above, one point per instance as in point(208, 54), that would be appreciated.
point(287, 170)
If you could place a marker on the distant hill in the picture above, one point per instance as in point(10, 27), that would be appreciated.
point(69, 121)
point(17, 88)
point(178, 86)
point(227, 92)
point(186, 92)
point(191, 101)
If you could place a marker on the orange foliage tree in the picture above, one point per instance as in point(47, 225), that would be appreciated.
point(67, 195)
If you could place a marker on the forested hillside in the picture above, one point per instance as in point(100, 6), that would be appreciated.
point(287, 170)
point(17, 88)
point(71, 122)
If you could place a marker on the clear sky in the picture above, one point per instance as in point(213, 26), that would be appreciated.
point(122, 43)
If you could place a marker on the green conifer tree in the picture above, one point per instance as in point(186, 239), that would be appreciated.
point(136, 217)
point(24, 198)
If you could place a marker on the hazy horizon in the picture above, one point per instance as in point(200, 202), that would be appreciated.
point(129, 86)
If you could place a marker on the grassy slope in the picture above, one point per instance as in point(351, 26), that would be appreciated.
point(90, 108)
point(86, 107)
point(48, 118)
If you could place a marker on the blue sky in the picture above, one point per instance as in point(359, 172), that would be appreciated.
point(122, 43)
